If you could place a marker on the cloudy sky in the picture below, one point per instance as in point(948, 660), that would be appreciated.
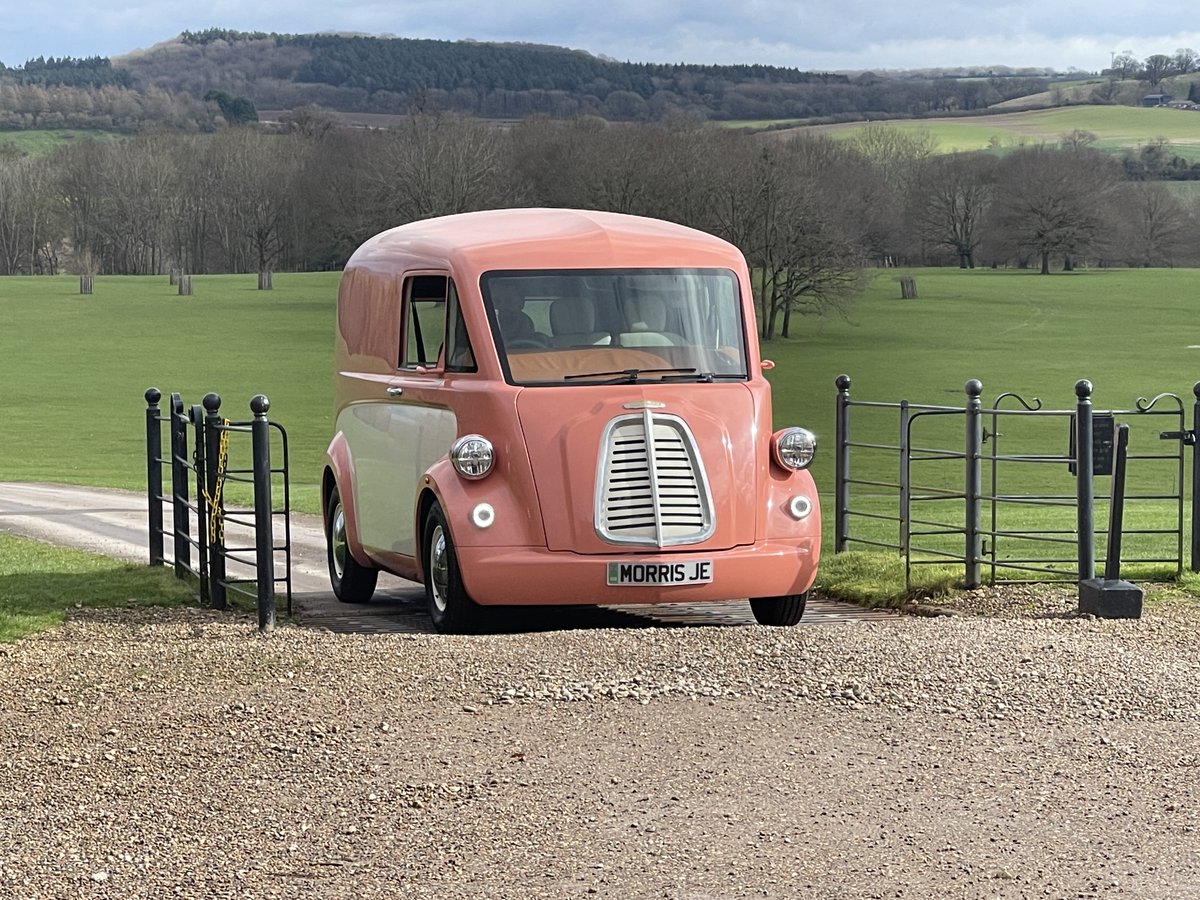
point(806, 34)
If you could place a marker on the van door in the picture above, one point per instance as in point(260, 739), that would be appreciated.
point(415, 424)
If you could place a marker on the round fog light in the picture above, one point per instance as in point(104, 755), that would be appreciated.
point(800, 506)
point(483, 515)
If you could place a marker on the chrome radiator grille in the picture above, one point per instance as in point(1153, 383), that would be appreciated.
point(651, 488)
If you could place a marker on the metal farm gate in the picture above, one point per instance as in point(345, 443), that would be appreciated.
point(246, 531)
point(1011, 492)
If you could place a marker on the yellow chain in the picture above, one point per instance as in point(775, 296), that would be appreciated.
point(216, 516)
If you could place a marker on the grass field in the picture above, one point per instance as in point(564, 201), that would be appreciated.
point(38, 584)
point(36, 143)
point(76, 374)
point(74, 380)
point(76, 368)
point(1115, 127)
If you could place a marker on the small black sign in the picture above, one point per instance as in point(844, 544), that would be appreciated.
point(1103, 443)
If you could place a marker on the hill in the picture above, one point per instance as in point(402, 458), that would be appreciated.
point(171, 83)
point(358, 74)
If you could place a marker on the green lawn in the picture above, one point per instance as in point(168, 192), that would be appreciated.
point(74, 381)
point(75, 368)
point(36, 143)
point(39, 584)
point(1115, 127)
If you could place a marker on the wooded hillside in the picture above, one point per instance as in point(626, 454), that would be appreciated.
point(399, 76)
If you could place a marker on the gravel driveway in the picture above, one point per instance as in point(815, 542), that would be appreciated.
point(182, 754)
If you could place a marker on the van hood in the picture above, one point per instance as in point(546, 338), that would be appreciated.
point(571, 435)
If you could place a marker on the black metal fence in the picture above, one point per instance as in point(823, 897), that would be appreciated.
point(244, 528)
point(1010, 490)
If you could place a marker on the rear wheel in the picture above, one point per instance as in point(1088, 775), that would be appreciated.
point(352, 582)
point(778, 610)
point(452, 611)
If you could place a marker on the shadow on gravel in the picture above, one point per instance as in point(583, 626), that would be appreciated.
point(407, 614)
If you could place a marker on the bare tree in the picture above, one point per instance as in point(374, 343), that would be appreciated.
point(1157, 67)
point(774, 206)
point(255, 190)
point(950, 200)
point(1077, 139)
point(436, 164)
point(1184, 61)
point(1155, 227)
point(1054, 202)
point(896, 151)
point(1126, 65)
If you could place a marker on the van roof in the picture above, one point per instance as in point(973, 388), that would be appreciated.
point(543, 239)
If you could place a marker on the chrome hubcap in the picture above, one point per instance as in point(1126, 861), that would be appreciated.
point(337, 541)
point(439, 569)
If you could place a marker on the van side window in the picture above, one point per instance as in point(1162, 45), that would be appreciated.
point(459, 356)
point(424, 320)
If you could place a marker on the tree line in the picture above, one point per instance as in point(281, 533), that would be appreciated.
point(91, 71)
point(809, 213)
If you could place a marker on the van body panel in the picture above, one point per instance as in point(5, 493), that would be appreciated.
point(610, 365)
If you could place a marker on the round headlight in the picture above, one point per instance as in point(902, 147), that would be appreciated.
point(472, 456)
point(794, 448)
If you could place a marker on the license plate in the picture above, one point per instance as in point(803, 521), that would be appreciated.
point(697, 571)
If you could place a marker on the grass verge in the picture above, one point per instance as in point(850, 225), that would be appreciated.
point(39, 584)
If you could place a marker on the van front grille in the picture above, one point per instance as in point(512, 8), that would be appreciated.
point(651, 487)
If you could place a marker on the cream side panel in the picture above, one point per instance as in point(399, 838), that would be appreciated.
point(392, 445)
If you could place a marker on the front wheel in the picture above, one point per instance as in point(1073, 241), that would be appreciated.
point(451, 610)
point(778, 610)
point(352, 582)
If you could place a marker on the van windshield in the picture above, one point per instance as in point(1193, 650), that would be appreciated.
point(601, 326)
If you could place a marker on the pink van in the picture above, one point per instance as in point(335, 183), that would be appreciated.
point(552, 406)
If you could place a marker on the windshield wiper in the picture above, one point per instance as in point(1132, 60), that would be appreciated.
point(621, 376)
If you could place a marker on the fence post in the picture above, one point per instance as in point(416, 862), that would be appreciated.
point(264, 536)
point(1084, 500)
point(179, 488)
point(1196, 479)
point(973, 484)
point(841, 527)
point(196, 417)
point(154, 476)
point(214, 478)
point(905, 488)
point(1116, 509)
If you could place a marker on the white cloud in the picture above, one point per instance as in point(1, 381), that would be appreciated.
point(819, 34)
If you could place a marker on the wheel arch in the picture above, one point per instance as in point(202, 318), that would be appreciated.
point(339, 473)
point(425, 501)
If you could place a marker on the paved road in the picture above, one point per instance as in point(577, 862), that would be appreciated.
point(114, 523)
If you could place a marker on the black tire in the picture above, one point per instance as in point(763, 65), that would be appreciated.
point(450, 609)
point(778, 610)
point(352, 582)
